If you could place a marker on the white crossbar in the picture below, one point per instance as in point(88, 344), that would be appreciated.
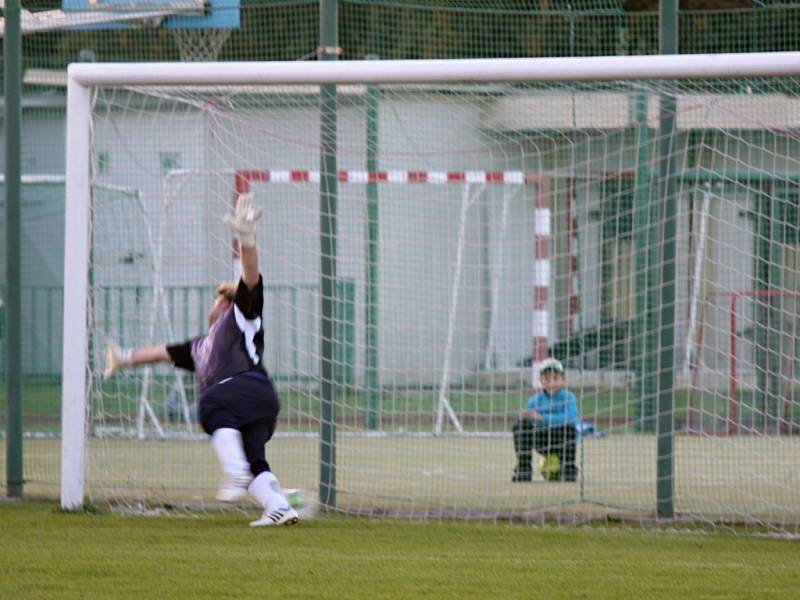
point(488, 70)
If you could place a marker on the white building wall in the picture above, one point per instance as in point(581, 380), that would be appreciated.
point(419, 224)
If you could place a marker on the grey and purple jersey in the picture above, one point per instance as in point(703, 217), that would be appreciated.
point(234, 343)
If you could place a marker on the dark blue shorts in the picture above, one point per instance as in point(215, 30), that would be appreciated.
point(247, 402)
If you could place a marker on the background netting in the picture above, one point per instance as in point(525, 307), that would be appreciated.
point(735, 341)
point(442, 29)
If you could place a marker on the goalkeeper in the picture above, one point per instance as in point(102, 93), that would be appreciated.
point(549, 424)
point(238, 404)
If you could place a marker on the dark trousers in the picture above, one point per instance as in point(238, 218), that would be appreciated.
point(560, 441)
point(249, 403)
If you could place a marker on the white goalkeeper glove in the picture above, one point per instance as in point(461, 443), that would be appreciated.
point(243, 220)
point(117, 358)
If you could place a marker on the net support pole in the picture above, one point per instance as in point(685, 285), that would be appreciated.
point(489, 359)
point(697, 278)
point(12, 63)
point(443, 403)
point(76, 282)
point(668, 176)
point(372, 382)
point(160, 301)
point(328, 51)
point(647, 217)
point(641, 228)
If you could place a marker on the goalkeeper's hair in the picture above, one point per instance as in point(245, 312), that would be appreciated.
point(227, 289)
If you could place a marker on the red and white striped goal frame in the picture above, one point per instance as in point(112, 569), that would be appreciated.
point(244, 179)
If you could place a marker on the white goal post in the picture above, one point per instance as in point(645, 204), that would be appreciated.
point(83, 79)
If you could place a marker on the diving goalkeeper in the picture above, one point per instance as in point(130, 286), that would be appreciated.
point(238, 404)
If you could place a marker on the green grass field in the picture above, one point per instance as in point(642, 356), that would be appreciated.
point(720, 479)
point(750, 480)
point(48, 554)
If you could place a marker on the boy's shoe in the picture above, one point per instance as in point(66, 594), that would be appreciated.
point(569, 475)
point(522, 475)
point(280, 516)
point(233, 489)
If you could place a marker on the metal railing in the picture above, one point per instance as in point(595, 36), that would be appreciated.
point(124, 314)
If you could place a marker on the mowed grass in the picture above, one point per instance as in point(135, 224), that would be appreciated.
point(49, 554)
point(736, 479)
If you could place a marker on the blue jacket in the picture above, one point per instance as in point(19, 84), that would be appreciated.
point(560, 409)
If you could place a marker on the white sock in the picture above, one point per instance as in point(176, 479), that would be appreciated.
point(267, 491)
point(227, 444)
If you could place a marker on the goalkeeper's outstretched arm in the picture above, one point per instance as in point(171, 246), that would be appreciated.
point(118, 358)
point(249, 258)
point(243, 222)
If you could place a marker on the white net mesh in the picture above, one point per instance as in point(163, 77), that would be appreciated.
point(480, 228)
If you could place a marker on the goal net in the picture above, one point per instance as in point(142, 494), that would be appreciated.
point(426, 244)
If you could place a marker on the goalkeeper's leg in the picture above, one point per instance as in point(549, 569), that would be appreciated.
point(265, 487)
point(227, 443)
point(220, 422)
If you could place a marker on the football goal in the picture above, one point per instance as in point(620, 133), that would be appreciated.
point(433, 231)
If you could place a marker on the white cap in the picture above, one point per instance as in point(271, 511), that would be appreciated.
point(551, 364)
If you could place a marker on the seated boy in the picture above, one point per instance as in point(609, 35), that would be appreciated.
point(549, 425)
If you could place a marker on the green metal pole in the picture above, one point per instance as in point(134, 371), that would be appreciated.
point(668, 196)
point(12, 63)
point(371, 292)
point(644, 343)
point(328, 50)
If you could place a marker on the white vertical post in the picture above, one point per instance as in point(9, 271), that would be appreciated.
point(443, 403)
point(156, 249)
point(498, 246)
point(76, 284)
point(697, 280)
